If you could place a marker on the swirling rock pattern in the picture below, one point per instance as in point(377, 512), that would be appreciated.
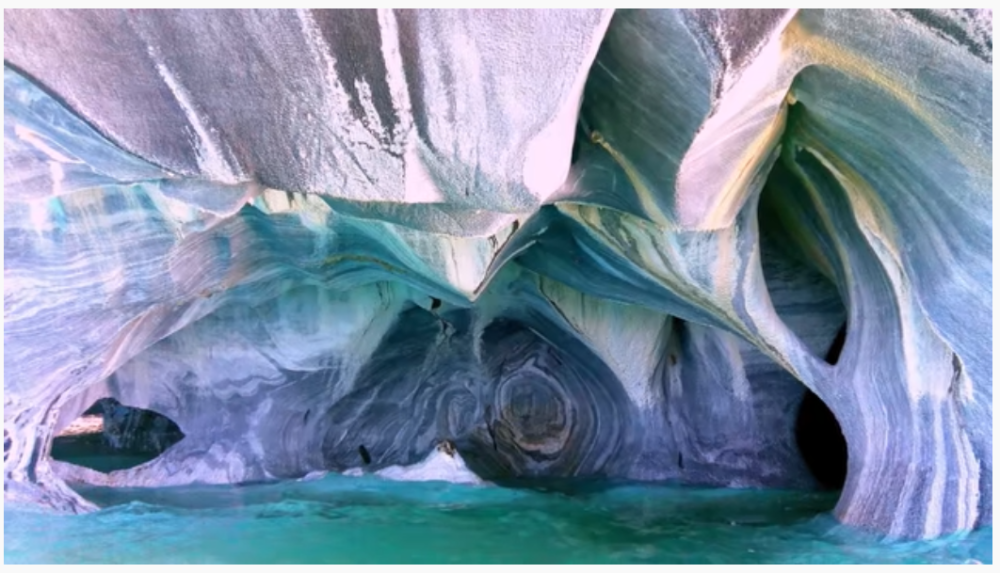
point(572, 244)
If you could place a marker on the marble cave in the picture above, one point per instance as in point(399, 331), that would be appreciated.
point(491, 246)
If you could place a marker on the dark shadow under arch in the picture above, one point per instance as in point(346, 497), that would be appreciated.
point(818, 435)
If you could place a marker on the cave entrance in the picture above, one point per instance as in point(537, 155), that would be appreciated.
point(799, 275)
point(110, 436)
point(821, 442)
point(818, 435)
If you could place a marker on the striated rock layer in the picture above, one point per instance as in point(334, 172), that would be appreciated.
point(570, 243)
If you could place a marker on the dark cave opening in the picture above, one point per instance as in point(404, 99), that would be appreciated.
point(111, 436)
point(818, 435)
point(821, 443)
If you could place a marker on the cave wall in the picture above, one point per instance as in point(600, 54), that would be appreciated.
point(535, 380)
point(588, 243)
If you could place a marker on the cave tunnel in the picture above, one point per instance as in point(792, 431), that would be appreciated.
point(792, 275)
point(110, 436)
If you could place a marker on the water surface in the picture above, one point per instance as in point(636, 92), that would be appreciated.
point(368, 520)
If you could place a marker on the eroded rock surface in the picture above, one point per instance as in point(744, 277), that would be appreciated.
point(570, 244)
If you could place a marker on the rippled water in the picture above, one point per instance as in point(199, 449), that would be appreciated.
point(368, 520)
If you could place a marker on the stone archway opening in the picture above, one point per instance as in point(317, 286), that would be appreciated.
point(821, 442)
point(818, 435)
point(800, 280)
point(110, 436)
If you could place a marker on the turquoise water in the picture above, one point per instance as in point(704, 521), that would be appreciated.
point(368, 520)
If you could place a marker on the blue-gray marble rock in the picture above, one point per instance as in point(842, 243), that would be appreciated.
point(499, 245)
